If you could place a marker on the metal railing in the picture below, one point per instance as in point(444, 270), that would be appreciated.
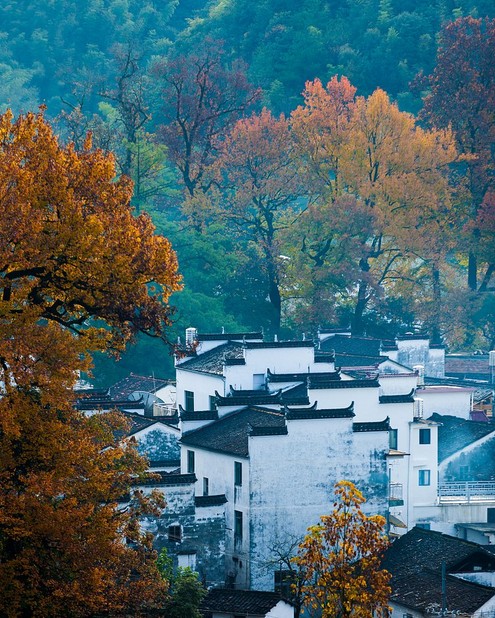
point(467, 491)
point(395, 491)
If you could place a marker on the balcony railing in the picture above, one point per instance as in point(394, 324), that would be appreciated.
point(467, 491)
point(395, 491)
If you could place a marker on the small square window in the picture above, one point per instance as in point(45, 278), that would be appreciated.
point(237, 473)
point(174, 534)
point(190, 462)
point(425, 436)
point(189, 401)
point(424, 477)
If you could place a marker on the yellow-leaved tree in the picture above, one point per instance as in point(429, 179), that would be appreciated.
point(341, 561)
point(78, 273)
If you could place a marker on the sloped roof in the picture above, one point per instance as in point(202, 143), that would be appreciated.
point(455, 433)
point(212, 361)
point(125, 387)
point(415, 562)
point(404, 398)
point(360, 346)
point(239, 601)
point(358, 360)
point(231, 432)
point(469, 366)
point(228, 336)
point(302, 377)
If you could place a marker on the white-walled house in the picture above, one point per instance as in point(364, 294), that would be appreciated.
point(277, 470)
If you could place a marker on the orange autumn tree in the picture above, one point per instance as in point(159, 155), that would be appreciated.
point(369, 162)
point(78, 273)
point(341, 560)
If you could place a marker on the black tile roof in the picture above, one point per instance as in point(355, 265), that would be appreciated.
point(239, 602)
point(198, 415)
point(408, 398)
point(358, 360)
point(246, 398)
point(125, 387)
point(415, 562)
point(230, 433)
point(361, 346)
point(210, 500)
point(302, 377)
point(168, 478)
point(334, 384)
point(455, 433)
point(310, 413)
point(372, 426)
point(164, 463)
point(254, 345)
point(213, 360)
point(86, 401)
point(228, 336)
point(268, 431)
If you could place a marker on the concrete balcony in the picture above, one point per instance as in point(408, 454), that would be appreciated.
point(466, 492)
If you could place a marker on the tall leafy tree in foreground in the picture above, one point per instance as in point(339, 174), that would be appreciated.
point(462, 95)
point(78, 273)
point(341, 559)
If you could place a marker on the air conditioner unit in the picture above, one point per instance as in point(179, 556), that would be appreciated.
point(418, 408)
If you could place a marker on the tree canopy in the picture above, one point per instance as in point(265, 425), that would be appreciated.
point(341, 559)
point(78, 273)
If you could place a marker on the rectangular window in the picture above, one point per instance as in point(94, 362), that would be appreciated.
point(190, 462)
point(237, 526)
point(174, 534)
point(424, 477)
point(282, 582)
point(490, 515)
point(213, 403)
point(258, 381)
point(189, 401)
point(206, 484)
point(424, 526)
point(237, 473)
point(425, 436)
point(392, 438)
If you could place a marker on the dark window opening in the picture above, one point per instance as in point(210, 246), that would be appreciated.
point(189, 401)
point(393, 438)
point(190, 462)
point(282, 582)
point(174, 534)
point(237, 473)
point(425, 436)
point(206, 484)
point(237, 526)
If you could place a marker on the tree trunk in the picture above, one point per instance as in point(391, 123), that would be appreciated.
point(357, 326)
point(472, 272)
point(437, 303)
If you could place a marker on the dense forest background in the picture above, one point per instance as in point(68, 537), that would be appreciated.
point(292, 203)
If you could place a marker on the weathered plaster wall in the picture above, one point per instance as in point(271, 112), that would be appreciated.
point(292, 479)
point(159, 443)
point(203, 532)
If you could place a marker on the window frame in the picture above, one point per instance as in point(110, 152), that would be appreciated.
point(424, 477)
point(189, 401)
point(238, 473)
point(191, 462)
point(174, 533)
point(425, 436)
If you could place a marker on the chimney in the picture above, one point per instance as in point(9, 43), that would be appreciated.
point(420, 370)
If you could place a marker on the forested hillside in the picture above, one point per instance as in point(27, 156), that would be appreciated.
point(326, 163)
